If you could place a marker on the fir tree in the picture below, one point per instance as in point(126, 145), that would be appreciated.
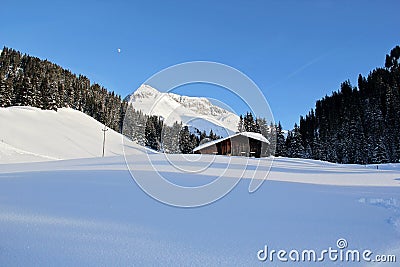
point(380, 153)
point(270, 133)
point(185, 141)
point(294, 144)
point(241, 125)
point(171, 138)
point(280, 142)
point(151, 134)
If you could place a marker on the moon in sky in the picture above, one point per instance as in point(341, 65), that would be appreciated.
point(119, 50)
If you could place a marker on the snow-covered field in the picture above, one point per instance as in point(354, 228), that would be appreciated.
point(90, 212)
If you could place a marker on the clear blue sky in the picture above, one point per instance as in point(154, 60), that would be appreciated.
point(295, 51)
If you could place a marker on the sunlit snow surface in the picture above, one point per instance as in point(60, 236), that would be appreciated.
point(90, 212)
point(30, 134)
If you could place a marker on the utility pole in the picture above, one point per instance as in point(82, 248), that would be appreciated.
point(104, 137)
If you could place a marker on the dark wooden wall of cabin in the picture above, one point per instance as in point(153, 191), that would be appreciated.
point(236, 146)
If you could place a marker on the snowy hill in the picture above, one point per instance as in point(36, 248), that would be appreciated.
point(31, 134)
point(197, 112)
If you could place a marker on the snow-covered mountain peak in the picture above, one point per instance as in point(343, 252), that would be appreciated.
point(146, 91)
point(198, 112)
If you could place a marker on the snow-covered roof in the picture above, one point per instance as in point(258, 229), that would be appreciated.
point(256, 136)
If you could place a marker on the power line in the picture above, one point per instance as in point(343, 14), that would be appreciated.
point(104, 137)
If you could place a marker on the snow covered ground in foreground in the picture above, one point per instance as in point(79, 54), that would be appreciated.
point(90, 212)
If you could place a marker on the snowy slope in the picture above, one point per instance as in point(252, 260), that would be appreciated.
point(30, 134)
point(197, 112)
point(90, 213)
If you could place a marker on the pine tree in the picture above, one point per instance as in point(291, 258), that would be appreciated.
point(194, 142)
point(248, 122)
point(5, 100)
point(289, 145)
point(295, 146)
point(128, 122)
point(280, 142)
point(30, 99)
point(48, 96)
point(212, 135)
point(241, 125)
point(21, 93)
point(203, 135)
point(138, 127)
point(170, 138)
point(270, 133)
point(256, 126)
point(308, 154)
point(151, 133)
point(263, 127)
point(185, 141)
point(380, 153)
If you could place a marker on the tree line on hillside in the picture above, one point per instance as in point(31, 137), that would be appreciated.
point(354, 125)
point(358, 124)
point(30, 81)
